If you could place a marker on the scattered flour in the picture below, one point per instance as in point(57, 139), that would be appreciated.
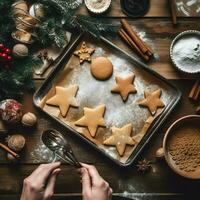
point(41, 154)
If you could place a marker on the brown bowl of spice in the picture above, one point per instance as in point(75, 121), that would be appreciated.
point(181, 146)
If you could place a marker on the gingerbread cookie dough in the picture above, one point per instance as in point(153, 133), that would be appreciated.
point(120, 138)
point(64, 98)
point(84, 53)
point(101, 68)
point(92, 119)
point(152, 101)
point(124, 86)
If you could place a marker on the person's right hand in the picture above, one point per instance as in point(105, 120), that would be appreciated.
point(94, 187)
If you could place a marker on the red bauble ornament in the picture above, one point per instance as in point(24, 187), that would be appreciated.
point(11, 111)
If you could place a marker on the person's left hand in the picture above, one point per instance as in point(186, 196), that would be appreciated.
point(40, 184)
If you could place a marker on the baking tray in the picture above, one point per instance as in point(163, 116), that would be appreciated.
point(92, 92)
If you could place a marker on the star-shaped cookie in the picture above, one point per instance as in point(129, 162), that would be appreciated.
point(92, 119)
point(84, 53)
point(124, 86)
point(152, 101)
point(120, 138)
point(64, 98)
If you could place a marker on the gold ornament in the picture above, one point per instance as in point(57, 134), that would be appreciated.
point(20, 5)
point(29, 119)
point(23, 36)
point(25, 23)
point(16, 142)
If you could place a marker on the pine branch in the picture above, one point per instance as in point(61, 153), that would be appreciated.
point(62, 5)
point(14, 81)
point(93, 25)
point(51, 32)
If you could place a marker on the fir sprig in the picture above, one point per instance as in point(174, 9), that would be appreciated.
point(62, 16)
point(94, 26)
point(15, 80)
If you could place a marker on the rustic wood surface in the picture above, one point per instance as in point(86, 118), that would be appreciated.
point(160, 183)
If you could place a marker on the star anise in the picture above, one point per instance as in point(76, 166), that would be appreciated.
point(143, 165)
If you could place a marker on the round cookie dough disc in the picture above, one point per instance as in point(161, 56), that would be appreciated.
point(101, 68)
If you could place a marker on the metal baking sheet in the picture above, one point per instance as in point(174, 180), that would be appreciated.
point(92, 93)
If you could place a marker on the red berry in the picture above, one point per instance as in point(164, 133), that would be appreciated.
point(0, 54)
point(1, 46)
point(8, 51)
point(4, 55)
point(9, 58)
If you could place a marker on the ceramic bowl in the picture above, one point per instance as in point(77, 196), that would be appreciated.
point(190, 41)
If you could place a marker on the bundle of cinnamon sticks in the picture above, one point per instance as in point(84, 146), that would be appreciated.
point(127, 33)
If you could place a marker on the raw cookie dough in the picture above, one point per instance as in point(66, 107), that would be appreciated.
point(64, 98)
point(101, 68)
point(152, 101)
point(84, 53)
point(120, 138)
point(124, 86)
point(92, 119)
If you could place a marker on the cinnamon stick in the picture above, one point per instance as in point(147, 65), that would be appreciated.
point(195, 91)
point(9, 150)
point(136, 38)
point(130, 42)
point(173, 11)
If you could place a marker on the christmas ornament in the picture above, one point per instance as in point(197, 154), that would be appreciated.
point(37, 10)
point(24, 22)
point(16, 142)
point(144, 165)
point(20, 51)
point(29, 119)
point(23, 36)
point(10, 111)
point(20, 6)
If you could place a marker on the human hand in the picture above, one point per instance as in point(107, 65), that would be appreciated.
point(40, 184)
point(94, 187)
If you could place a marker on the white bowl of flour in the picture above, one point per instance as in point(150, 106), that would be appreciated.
point(185, 51)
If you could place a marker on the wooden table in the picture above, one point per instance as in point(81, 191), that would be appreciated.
point(160, 183)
